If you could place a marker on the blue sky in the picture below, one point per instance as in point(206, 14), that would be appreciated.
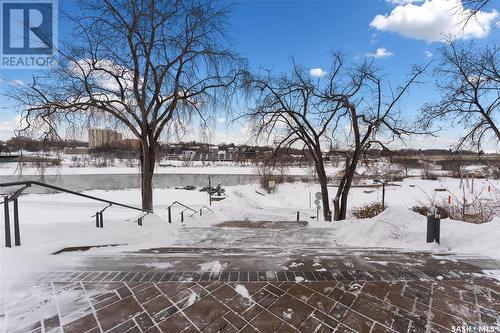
point(272, 32)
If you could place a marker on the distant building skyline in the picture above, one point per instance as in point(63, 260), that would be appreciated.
point(103, 137)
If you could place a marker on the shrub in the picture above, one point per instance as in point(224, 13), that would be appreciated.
point(424, 210)
point(271, 171)
point(495, 173)
point(367, 211)
point(431, 176)
point(478, 211)
point(427, 172)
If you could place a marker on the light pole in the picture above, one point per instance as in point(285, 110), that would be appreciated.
point(383, 191)
point(209, 190)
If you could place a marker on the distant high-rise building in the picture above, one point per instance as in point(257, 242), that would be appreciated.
point(103, 137)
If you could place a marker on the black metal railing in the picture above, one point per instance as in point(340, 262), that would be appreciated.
point(27, 184)
point(192, 210)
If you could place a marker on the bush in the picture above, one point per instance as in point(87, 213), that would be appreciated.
point(424, 210)
point(431, 176)
point(368, 211)
point(272, 171)
point(427, 172)
point(478, 211)
point(213, 190)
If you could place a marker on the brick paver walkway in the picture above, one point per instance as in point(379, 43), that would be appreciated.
point(258, 290)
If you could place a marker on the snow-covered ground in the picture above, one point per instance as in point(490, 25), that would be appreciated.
point(120, 166)
point(8, 169)
point(50, 222)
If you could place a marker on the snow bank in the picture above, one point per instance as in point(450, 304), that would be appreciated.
point(39, 241)
point(398, 227)
point(212, 266)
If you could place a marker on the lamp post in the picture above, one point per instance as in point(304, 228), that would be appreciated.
point(210, 190)
point(383, 191)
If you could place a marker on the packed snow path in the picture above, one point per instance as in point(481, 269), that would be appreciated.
point(267, 234)
point(255, 277)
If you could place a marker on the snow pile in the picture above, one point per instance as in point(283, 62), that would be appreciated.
point(294, 264)
point(193, 297)
point(212, 266)
point(159, 265)
point(243, 292)
point(287, 315)
point(494, 273)
point(39, 241)
point(398, 227)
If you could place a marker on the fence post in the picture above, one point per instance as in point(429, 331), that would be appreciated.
point(298, 216)
point(182, 216)
point(139, 221)
point(201, 209)
point(97, 220)
point(101, 222)
point(169, 215)
point(17, 235)
point(7, 221)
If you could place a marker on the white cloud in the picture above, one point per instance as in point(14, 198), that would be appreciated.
point(317, 72)
point(7, 127)
point(221, 120)
point(428, 54)
point(17, 83)
point(435, 20)
point(241, 136)
point(381, 52)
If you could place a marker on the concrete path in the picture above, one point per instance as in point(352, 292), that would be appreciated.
point(258, 277)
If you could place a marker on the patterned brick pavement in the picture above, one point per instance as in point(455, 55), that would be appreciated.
point(285, 285)
point(342, 301)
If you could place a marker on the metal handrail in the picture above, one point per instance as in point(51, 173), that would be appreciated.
point(183, 205)
point(26, 184)
point(207, 208)
point(193, 211)
point(57, 188)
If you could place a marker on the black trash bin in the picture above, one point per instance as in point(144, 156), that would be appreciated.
point(433, 225)
point(430, 228)
point(437, 227)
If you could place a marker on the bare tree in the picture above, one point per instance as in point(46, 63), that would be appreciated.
point(469, 80)
point(473, 7)
point(297, 110)
point(374, 121)
point(289, 110)
point(406, 163)
point(146, 66)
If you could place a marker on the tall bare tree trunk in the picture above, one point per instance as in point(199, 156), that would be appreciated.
point(342, 196)
point(148, 156)
point(323, 183)
point(345, 191)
